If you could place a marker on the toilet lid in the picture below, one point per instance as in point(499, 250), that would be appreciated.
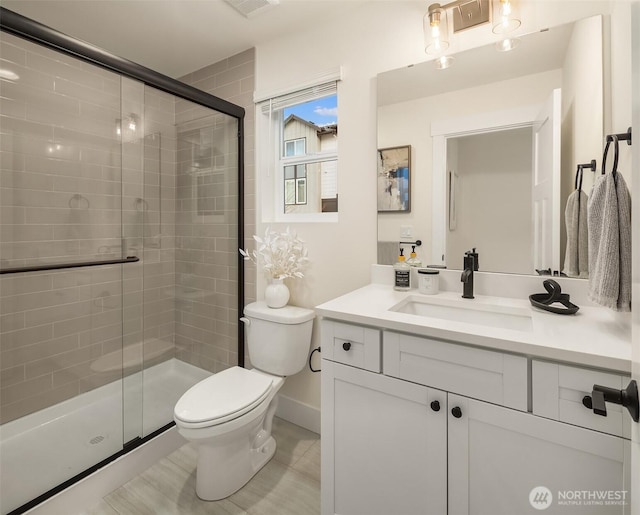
point(223, 396)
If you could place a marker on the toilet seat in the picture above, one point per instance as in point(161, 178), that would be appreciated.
point(222, 397)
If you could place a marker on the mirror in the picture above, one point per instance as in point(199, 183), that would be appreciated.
point(473, 130)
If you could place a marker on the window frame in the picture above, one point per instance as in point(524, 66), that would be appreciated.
point(270, 112)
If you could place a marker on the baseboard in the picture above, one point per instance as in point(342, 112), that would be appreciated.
point(90, 490)
point(299, 413)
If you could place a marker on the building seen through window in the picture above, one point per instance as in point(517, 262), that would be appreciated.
point(309, 156)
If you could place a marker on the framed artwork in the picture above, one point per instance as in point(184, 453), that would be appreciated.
point(394, 179)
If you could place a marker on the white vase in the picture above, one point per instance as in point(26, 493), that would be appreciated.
point(276, 294)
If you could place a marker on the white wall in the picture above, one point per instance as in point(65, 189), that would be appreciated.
point(381, 36)
point(582, 112)
point(582, 100)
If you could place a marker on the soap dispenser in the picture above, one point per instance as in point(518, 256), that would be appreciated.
point(413, 259)
point(401, 274)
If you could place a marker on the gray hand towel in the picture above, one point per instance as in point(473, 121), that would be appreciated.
point(609, 223)
point(576, 259)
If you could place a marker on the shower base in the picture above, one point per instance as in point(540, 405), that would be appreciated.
point(40, 451)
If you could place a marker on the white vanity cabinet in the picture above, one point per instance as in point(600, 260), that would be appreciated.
point(384, 444)
point(497, 456)
point(447, 429)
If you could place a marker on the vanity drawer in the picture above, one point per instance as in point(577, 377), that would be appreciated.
point(350, 344)
point(558, 390)
point(481, 374)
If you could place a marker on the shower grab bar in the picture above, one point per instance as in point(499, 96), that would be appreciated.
point(58, 266)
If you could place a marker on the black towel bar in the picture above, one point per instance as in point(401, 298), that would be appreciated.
point(58, 266)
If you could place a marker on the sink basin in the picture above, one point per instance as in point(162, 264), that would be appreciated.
point(469, 312)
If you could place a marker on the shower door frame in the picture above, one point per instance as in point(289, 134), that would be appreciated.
point(35, 32)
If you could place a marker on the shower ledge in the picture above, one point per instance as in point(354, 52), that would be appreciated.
point(132, 355)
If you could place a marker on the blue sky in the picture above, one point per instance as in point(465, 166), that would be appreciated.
point(322, 111)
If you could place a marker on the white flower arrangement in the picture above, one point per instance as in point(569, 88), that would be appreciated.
point(282, 255)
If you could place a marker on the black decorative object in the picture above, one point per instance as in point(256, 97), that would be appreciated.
point(554, 295)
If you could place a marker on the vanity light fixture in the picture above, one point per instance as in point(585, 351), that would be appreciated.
point(505, 21)
point(504, 17)
point(436, 30)
point(466, 14)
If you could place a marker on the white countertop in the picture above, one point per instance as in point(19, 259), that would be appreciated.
point(593, 337)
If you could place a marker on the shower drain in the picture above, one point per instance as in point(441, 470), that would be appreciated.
point(96, 439)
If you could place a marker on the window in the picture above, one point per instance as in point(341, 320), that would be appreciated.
point(295, 185)
point(303, 134)
point(295, 147)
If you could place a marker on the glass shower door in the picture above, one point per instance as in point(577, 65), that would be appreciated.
point(61, 337)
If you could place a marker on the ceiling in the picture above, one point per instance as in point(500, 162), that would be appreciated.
point(176, 37)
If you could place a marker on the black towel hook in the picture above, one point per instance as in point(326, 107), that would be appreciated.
point(579, 172)
point(614, 138)
point(623, 136)
point(578, 184)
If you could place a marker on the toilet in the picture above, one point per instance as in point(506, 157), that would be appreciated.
point(229, 415)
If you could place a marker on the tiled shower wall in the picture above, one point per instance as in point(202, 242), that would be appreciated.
point(207, 250)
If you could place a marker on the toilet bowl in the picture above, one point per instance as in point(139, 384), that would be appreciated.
point(229, 415)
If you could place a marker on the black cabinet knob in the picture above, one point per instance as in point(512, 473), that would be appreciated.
point(456, 412)
point(586, 402)
point(435, 405)
point(346, 345)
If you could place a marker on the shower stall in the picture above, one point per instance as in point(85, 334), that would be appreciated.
point(121, 283)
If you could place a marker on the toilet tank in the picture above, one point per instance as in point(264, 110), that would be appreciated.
point(278, 339)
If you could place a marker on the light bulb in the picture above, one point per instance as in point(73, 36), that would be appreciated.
point(435, 30)
point(505, 18)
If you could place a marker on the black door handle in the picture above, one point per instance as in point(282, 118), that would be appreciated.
point(435, 405)
point(627, 398)
point(346, 345)
point(456, 412)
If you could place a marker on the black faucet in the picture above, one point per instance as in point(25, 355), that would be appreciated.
point(475, 259)
point(470, 265)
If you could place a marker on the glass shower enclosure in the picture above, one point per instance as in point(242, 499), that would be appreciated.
point(120, 285)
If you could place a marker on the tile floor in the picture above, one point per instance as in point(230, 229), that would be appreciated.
point(288, 485)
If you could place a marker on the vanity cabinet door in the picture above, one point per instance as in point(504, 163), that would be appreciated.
point(384, 445)
point(497, 456)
